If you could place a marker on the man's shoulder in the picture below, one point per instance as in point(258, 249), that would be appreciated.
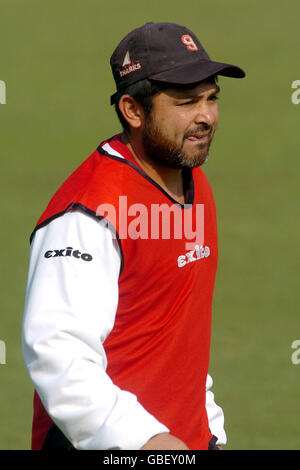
point(96, 180)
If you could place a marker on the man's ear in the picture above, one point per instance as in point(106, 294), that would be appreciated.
point(131, 110)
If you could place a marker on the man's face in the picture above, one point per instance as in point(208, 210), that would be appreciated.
point(180, 128)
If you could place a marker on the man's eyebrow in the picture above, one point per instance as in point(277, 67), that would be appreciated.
point(188, 93)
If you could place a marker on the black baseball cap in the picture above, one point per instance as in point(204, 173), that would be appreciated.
point(164, 52)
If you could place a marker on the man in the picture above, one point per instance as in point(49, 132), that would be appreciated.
point(116, 330)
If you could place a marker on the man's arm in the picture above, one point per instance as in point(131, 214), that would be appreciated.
point(164, 441)
point(71, 301)
point(215, 414)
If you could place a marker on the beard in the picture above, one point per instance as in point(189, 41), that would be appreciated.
point(161, 149)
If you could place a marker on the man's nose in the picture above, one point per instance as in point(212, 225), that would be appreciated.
point(204, 115)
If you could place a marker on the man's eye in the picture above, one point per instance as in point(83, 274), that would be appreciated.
point(214, 98)
point(186, 103)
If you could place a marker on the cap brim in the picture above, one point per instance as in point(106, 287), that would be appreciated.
point(194, 72)
point(198, 71)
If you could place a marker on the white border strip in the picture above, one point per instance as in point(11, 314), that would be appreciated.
point(110, 150)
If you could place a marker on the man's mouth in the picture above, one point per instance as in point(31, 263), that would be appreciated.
point(198, 137)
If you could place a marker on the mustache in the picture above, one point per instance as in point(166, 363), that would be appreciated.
point(201, 129)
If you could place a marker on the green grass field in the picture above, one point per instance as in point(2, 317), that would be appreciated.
point(54, 59)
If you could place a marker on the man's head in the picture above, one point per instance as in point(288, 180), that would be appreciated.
point(166, 92)
point(181, 125)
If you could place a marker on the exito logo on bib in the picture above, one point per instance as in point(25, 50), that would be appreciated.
point(193, 255)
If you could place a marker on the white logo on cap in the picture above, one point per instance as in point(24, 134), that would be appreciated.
point(128, 66)
point(126, 60)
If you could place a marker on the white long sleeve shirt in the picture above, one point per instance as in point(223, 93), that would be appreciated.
point(70, 308)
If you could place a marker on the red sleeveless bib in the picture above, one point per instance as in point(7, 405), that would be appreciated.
point(159, 346)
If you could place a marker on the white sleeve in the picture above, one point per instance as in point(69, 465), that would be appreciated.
point(215, 414)
point(70, 307)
